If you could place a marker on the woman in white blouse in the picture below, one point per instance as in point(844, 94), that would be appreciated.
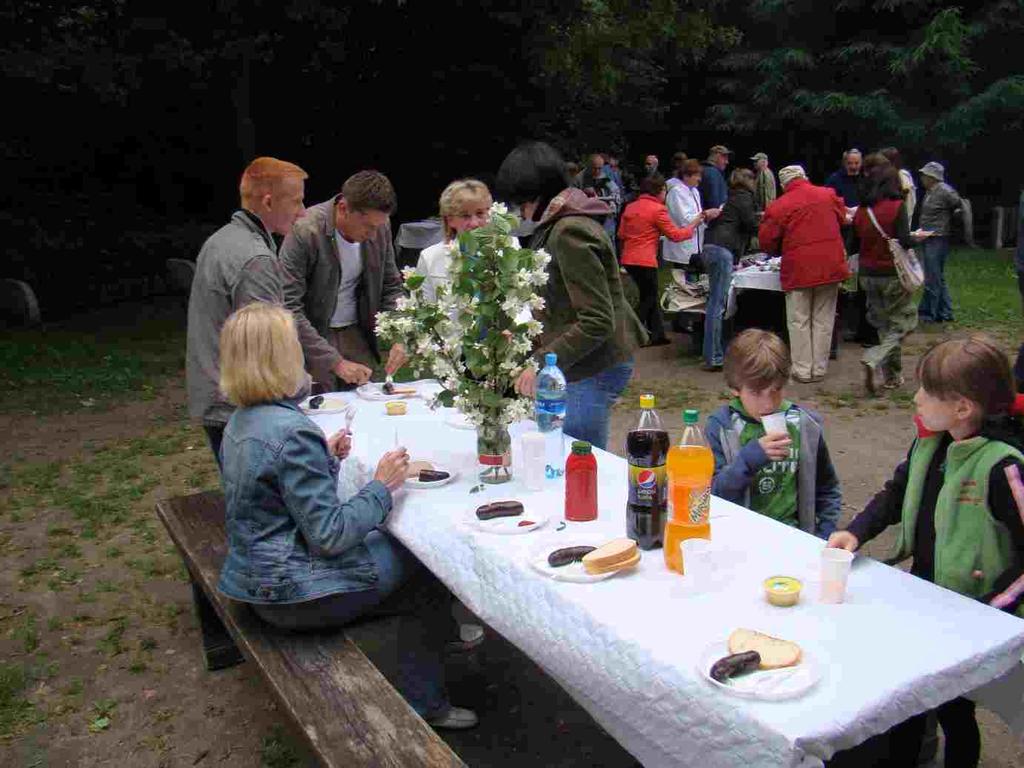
point(465, 205)
point(684, 205)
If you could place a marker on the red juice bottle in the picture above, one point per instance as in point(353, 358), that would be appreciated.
point(581, 483)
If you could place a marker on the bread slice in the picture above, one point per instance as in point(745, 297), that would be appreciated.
point(775, 653)
point(416, 466)
point(622, 565)
point(608, 556)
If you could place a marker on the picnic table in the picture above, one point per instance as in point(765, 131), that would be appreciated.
point(627, 649)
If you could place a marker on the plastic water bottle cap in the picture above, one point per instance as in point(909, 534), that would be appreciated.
point(691, 416)
point(580, 446)
point(646, 401)
point(550, 358)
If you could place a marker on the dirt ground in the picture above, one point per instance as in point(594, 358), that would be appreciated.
point(113, 647)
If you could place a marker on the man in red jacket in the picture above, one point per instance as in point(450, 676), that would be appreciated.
point(803, 225)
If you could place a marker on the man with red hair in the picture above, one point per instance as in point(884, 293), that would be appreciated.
point(236, 266)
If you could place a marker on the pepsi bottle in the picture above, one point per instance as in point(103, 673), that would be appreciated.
point(647, 449)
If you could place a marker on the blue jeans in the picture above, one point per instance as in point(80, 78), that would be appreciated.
point(935, 302)
point(423, 609)
point(588, 403)
point(718, 265)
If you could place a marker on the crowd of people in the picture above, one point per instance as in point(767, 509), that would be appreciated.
point(819, 232)
point(267, 326)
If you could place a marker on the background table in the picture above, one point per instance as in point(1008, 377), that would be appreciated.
point(626, 648)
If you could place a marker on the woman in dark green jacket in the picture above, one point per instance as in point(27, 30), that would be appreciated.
point(587, 321)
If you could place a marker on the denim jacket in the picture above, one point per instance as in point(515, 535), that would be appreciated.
point(289, 537)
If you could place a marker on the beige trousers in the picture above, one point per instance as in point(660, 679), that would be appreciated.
point(810, 315)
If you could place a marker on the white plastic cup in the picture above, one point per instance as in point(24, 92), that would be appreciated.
point(775, 423)
point(532, 445)
point(835, 570)
point(698, 563)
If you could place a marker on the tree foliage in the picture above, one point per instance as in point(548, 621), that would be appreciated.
point(915, 72)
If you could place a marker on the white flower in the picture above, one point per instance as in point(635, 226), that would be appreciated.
point(408, 272)
point(499, 208)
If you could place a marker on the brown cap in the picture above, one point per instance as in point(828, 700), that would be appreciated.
point(719, 149)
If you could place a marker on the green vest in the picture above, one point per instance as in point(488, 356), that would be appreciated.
point(968, 538)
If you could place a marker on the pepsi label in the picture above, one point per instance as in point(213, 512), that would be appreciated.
point(646, 485)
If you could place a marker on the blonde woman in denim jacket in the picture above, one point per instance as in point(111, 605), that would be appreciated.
point(303, 559)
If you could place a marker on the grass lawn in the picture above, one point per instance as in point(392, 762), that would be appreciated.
point(983, 284)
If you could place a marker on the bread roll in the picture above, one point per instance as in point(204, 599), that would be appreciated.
point(616, 554)
point(775, 653)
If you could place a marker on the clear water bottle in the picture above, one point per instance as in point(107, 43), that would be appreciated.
point(550, 414)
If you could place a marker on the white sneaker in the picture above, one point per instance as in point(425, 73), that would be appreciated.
point(455, 719)
point(470, 636)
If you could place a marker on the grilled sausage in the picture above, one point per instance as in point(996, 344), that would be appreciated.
point(499, 509)
point(432, 475)
point(567, 555)
point(736, 664)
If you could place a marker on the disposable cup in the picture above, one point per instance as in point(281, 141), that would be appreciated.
point(774, 423)
point(532, 448)
point(698, 562)
point(835, 569)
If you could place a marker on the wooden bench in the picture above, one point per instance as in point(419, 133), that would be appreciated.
point(347, 710)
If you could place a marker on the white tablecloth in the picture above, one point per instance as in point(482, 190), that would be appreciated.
point(758, 279)
point(626, 648)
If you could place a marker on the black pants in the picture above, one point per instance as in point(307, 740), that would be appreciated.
point(646, 279)
point(963, 739)
point(215, 434)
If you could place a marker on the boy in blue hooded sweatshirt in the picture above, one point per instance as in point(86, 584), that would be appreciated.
point(786, 476)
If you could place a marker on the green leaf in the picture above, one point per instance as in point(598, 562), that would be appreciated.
point(414, 282)
point(99, 724)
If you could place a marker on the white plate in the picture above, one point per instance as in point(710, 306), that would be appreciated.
point(331, 404)
point(506, 526)
point(412, 482)
point(574, 572)
point(767, 685)
point(373, 390)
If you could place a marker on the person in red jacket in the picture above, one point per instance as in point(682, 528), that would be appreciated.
point(643, 221)
point(803, 226)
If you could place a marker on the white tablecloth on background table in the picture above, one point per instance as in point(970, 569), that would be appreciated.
point(751, 278)
point(626, 649)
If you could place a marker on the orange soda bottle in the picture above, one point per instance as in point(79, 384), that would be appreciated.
point(689, 469)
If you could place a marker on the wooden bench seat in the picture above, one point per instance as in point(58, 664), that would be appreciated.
point(348, 712)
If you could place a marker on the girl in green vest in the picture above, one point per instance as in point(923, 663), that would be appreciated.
point(959, 501)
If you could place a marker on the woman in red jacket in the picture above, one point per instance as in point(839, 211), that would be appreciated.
point(643, 222)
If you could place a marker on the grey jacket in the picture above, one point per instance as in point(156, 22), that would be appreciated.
point(237, 265)
point(937, 209)
point(312, 272)
point(819, 497)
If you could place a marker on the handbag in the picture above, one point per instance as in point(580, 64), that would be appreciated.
point(908, 266)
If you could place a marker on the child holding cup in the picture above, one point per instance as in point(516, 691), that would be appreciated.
point(959, 500)
point(770, 454)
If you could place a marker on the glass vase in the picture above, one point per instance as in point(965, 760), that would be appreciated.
point(494, 453)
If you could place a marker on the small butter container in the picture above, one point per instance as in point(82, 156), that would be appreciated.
point(782, 591)
point(395, 408)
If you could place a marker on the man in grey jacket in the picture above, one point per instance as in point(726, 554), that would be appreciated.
point(940, 204)
point(339, 272)
point(237, 265)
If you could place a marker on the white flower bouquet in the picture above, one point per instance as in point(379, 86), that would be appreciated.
point(477, 337)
